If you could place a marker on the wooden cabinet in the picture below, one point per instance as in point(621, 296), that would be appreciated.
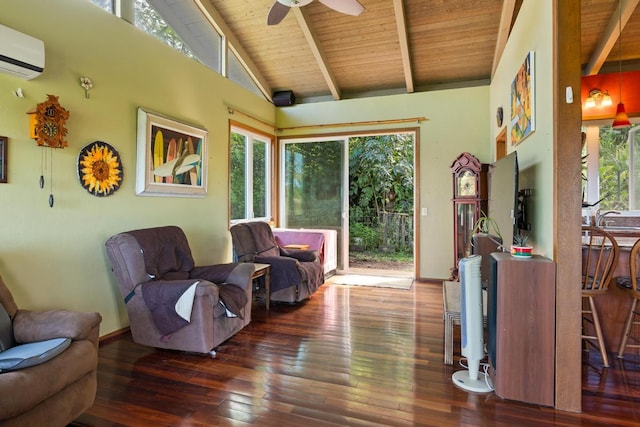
point(521, 328)
point(470, 198)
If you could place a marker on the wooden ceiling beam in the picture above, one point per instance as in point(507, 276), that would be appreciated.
point(610, 36)
point(506, 18)
point(401, 23)
point(312, 40)
point(215, 19)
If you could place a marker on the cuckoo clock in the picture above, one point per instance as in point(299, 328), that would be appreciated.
point(47, 123)
point(470, 198)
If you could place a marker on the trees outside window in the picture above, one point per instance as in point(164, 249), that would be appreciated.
point(250, 175)
point(381, 192)
point(616, 168)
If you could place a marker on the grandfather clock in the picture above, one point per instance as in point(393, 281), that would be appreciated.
point(470, 199)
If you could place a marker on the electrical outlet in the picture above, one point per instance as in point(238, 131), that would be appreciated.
point(424, 211)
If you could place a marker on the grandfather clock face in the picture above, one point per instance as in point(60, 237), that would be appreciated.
point(466, 184)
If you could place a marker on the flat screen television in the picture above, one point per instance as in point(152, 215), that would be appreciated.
point(503, 196)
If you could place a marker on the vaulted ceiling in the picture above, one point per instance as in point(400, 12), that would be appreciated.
point(399, 46)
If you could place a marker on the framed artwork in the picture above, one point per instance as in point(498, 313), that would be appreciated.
point(523, 120)
point(3, 158)
point(172, 157)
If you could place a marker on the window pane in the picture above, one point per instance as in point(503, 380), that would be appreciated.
point(238, 176)
point(614, 169)
point(259, 179)
point(150, 21)
point(238, 74)
point(634, 170)
point(104, 4)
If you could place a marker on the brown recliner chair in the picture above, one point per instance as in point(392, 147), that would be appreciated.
point(58, 390)
point(295, 274)
point(155, 270)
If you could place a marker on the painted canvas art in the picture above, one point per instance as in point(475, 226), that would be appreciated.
point(171, 157)
point(522, 101)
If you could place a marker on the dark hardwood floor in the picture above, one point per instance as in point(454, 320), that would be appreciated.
point(354, 356)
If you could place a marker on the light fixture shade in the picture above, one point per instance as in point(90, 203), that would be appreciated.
point(621, 120)
point(590, 102)
point(295, 3)
point(606, 100)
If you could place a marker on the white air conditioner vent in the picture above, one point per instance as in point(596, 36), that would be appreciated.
point(20, 55)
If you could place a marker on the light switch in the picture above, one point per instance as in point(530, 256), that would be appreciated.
point(569, 94)
point(424, 211)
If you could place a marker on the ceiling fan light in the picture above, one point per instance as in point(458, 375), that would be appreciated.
point(621, 120)
point(294, 3)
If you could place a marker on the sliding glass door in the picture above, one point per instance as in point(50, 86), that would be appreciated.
point(314, 192)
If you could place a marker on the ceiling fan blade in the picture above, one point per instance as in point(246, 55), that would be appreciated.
point(277, 13)
point(349, 7)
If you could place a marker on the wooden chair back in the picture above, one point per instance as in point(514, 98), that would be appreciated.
point(630, 283)
point(599, 259)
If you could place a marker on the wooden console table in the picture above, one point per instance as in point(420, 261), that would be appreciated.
point(264, 270)
point(521, 315)
point(451, 300)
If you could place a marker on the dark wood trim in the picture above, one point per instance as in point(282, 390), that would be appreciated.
point(567, 201)
point(114, 336)
point(4, 142)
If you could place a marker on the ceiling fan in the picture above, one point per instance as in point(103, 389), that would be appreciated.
point(280, 8)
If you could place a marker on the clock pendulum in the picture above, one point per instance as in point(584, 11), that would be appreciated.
point(49, 131)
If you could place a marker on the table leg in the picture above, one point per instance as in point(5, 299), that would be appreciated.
point(267, 287)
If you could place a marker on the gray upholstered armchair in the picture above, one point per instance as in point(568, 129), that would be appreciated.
point(295, 274)
point(172, 303)
point(41, 390)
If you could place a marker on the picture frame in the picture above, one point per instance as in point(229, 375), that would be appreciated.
point(523, 119)
point(171, 157)
point(4, 141)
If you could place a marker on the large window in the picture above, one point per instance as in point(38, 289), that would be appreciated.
point(250, 180)
point(612, 167)
point(183, 26)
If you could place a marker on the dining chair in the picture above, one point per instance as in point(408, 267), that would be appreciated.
point(629, 284)
point(599, 259)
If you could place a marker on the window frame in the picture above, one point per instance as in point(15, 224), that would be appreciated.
point(592, 185)
point(252, 135)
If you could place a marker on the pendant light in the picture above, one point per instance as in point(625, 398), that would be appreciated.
point(621, 120)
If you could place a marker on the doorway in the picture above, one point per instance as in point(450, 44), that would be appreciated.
point(362, 186)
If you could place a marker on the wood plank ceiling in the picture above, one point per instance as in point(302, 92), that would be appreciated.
point(399, 46)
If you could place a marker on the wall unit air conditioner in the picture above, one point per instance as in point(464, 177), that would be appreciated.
point(20, 55)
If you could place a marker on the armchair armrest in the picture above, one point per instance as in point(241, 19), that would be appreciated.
point(302, 255)
point(241, 275)
point(30, 326)
point(206, 289)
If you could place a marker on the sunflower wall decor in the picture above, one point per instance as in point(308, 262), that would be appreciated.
point(100, 169)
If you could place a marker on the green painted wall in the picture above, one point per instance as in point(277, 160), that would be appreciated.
point(456, 122)
point(532, 32)
point(55, 257)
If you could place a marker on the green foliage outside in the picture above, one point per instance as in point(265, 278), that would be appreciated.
point(238, 185)
point(381, 181)
point(237, 176)
point(614, 168)
point(151, 22)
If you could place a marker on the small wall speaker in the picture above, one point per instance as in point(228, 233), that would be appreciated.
point(284, 98)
